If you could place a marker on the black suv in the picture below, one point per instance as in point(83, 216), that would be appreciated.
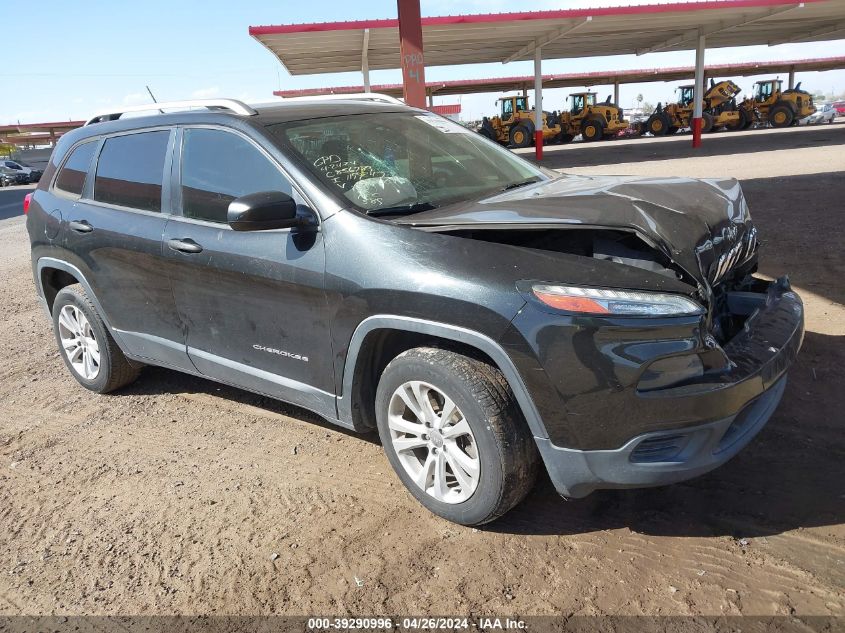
point(392, 270)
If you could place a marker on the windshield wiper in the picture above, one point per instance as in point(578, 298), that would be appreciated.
point(415, 207)
point(521, 183)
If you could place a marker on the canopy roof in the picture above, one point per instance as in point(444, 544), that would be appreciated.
point(503, 37)
point(58, 126)
point(505, 84)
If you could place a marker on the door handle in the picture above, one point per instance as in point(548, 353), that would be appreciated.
point(186, 245)
point(80, 226)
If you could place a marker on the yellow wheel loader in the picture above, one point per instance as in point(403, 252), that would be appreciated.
point(719, 110)
point(593, 121)
point(514, 126)
point(779, 108)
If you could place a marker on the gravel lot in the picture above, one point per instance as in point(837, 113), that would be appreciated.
point(178, 495)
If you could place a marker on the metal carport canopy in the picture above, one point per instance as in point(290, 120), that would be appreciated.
point(503, 37)
point(600, 78)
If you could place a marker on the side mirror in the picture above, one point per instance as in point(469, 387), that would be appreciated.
point(263, 211)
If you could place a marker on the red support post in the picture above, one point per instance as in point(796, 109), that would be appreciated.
point(696, 132)
point(411, 51)
point(538, 144)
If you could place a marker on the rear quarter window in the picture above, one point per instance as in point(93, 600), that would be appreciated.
point(130, 171)
point(71, 178)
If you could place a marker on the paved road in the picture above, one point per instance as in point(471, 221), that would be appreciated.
point(11, 201)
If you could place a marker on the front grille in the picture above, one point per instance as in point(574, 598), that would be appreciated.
point(664, 448)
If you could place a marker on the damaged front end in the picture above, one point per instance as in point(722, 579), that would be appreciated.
point(607, 378)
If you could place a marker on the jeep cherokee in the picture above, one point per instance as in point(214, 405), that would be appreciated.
point(389, 269)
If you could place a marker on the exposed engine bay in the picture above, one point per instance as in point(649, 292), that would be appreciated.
point(622, 247)
point(627, 248)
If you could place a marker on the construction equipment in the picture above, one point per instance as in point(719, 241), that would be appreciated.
point(593, 121)
point(514, 125)
point(779, 108)
point(719, 109)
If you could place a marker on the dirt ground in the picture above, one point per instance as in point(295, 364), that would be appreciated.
point(177, 495)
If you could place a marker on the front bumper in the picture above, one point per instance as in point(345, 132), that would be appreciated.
point(664, 457)
point(681, 431)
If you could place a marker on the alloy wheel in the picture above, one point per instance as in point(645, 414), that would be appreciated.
point(434, 442)
point(78, 342)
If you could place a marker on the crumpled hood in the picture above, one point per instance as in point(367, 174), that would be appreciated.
point(702, 225)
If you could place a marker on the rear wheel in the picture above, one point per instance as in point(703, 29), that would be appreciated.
point(454, 435)
point(706, 123)
point(781, 116)
point(592, 130)
point(520, 135)
point(86, 346)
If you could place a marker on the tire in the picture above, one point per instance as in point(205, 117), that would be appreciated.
point(659, 124)
point(113, 369)
point(741, 123)
point(673, 130)
point(520, 135)
point(781, 116)
point(706, 122)
point(564, 138)
point(505, 456)
point(592, 130)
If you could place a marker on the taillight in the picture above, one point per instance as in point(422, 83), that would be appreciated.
point(26, 200)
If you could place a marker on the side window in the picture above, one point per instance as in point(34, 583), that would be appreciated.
point(71, 176)
point(218, 167)
point(131, 170)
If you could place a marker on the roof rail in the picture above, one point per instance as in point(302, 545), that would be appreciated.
point(232, 105)
point(355, 96)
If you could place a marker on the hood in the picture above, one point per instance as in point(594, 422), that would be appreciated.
point(703, 226)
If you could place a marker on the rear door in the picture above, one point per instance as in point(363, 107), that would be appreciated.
point(113, 233)
point(253, 302)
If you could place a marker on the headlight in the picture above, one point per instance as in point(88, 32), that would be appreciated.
point(615, 302)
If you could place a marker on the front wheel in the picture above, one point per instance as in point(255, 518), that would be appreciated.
point(453, 433)
point(592, 130)
point(520, 135)
point(659, 124)
point(781, 116)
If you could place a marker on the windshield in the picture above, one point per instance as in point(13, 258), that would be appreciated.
point(395, 162)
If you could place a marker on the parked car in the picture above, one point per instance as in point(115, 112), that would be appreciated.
point(9, 177)
point(393, 271)
point(825, 113)
point(32, 174)
point(839, 106)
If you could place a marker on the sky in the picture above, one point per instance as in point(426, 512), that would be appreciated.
point(75, 58)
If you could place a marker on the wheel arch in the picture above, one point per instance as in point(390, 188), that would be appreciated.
point(379, 339)
point(54, 274)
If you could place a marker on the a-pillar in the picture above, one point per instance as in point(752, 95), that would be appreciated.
point(698, 95)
